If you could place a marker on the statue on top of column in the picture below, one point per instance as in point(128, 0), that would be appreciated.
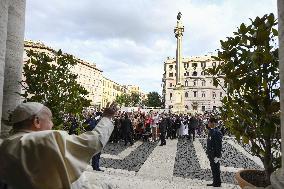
point(179, 15)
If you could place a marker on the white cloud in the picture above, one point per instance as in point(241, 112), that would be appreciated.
point(130, 40)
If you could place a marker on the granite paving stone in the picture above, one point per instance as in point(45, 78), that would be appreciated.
point(146, 159)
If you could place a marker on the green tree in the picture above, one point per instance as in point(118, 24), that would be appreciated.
point(49, 80)
point(135, 99)
point(123, 100)
point(128, 100)
point(153, 100)
point(251, 74)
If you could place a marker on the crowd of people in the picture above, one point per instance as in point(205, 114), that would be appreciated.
point(153, 126)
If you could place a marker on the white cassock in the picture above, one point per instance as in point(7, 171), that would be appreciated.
point(183, 129)
point(50, 159)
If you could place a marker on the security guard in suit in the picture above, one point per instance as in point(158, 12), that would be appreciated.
point(214, 148)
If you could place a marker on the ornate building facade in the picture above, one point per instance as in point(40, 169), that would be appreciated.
point(199, 94)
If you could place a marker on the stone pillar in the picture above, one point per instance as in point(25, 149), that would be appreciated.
point(179, 29)
point(12, 25)
point(178, 106)
point(277, 178)
point(3, 36)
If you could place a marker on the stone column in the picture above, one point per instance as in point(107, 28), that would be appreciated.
point(179, 29)
point(12, 25)
point(3, 36)
point(277, 178)
point(178, 90)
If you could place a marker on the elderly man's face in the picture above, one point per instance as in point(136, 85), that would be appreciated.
point(45, 120)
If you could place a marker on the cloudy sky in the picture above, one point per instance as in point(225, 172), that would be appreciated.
point(130, 39)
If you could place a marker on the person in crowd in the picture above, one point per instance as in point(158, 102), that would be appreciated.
point(176, 126)
point(91, 122)
point(192, 125)
point(115, 134)
point(147, 128)
point(135, 122)
point(140, 127)
point(214, 149)
point(163, 126)
point(74, 125)
point(154, 126)
point(173, 128)
point(127, 130)
point(184, 127)
point(199, 129)
point(169, 127)
point(34, 156)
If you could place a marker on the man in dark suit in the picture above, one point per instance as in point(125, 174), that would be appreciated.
point(192, 125)
point(164, 124)
point(176, 126)
point(214, 149)
point(127, 130)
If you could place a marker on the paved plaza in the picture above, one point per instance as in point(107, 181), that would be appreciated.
point(180, 164)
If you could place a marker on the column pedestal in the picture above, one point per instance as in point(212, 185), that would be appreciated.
point(179, 100)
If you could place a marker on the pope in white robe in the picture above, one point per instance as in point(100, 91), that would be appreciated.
point(41, 158)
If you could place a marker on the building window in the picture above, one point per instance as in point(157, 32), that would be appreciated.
point(194, 73)
point(203, 94)
point(186, 83)
point(171, 95)
point(203, 108)
point(171, 75)
point(186, 94)
point(214, 95)
point(171, 84)
point(194, 93)
point(194, 83)
point(214, 64)
point(171, 67)
point(186, 73)
point(186, 65)
point(203, 73)
point(221, 94)
point(194, 65)
point(203, 64)
point(203, 83)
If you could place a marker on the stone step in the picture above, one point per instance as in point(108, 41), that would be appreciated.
point(122, 179)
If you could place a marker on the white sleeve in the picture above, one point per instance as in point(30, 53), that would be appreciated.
point(77, 151)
